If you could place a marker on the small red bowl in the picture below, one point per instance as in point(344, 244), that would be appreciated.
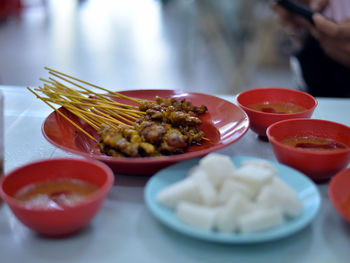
point(339, 193)
point(318, 165)
point(57, 222)
point(260, 121)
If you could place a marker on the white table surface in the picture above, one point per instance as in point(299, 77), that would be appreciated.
point(125, 231)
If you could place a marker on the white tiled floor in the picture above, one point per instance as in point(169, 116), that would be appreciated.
point(119, 44)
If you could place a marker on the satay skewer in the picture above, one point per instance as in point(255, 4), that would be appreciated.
point(64, 116)
point(58, 73)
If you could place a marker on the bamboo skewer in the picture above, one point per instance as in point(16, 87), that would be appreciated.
point(92, 107)
point(95, 102)
point(64, 116)
point(101, 96)
point(109, 105)
point(57, 73)
point(101, 109)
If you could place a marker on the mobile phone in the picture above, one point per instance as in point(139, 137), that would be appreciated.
point(298, 9)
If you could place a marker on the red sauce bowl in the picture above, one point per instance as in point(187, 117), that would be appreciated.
point(339, 193)
point(54, 222)
point(260, 121)
point(318, 165)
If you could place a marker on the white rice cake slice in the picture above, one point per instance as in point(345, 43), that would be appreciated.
point(206, 190)
point(184, 190)
point(196, 215)
point(218, 167)
point(254, 176)
point(227, 215)
point(279, 194)
point(231, 187)
point(260, 219)
point(260, 163)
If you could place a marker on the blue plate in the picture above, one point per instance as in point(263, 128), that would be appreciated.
point(307, 190)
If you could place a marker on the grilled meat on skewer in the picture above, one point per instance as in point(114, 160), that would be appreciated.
point(175, 118)
point(169, 127)
point(124, 141)
point(147, 139)
point(179, 105)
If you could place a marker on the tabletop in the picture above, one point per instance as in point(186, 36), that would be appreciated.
point(125, 230)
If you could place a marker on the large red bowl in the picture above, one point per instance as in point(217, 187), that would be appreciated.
point(318, 165)
point(55, 222)
point(260, 121)
point(223, 124)
point(339, 193)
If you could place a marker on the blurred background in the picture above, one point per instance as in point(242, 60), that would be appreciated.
point(210, 46)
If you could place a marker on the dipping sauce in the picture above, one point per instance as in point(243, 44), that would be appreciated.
point(312, 143)
point(55, 194)
point(277, 107)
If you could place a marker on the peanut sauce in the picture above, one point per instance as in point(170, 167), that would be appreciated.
point(277, 107)
point(55, 194)
point(312, 143)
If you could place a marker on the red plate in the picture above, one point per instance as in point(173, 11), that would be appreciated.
point(223, 124)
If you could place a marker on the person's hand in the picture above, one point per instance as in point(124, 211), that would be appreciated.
point(333, 37)
point(293, 22)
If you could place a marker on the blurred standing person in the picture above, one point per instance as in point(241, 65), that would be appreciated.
point(322, 55)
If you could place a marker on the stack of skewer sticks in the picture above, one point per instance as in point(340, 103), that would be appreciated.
point(92, 107)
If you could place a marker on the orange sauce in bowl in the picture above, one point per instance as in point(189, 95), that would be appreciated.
point(312, 143)
point(55, 194)
point(277, 107)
